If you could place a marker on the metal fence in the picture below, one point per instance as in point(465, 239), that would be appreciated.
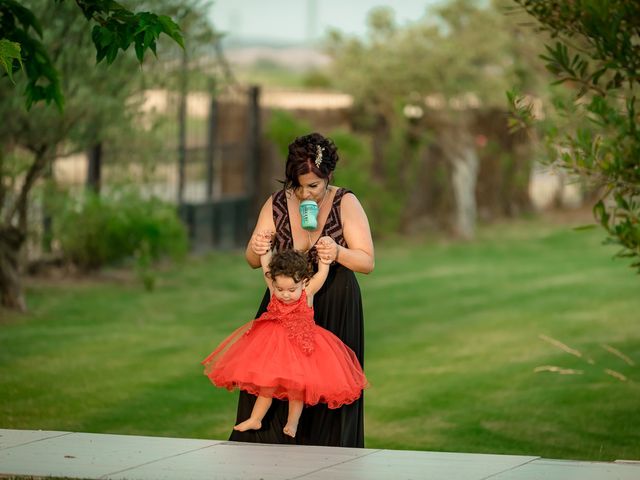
point(203, 157)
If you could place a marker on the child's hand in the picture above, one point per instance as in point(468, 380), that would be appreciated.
point(261, 242)
point(324, 260)
point(327, 250)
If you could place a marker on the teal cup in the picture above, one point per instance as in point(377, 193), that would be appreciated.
point(309, 214)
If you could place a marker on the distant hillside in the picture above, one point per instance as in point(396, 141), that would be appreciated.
point(232, 41)
point(295, 56)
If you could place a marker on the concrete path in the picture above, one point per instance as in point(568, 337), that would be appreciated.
point(36, 453)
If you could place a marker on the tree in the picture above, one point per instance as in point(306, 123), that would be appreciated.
point(116, 28)
point(96, 100)
point(595, 51)
point(444, 67)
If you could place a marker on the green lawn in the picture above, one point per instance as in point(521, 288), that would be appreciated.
point(454, 334)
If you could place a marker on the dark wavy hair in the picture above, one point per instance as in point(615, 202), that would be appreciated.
point(302, 157)
point(290, 263)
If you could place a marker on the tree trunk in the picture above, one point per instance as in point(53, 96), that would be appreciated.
point(379, 142)
point(460, 150)
point(13, 237)
point(11, 295)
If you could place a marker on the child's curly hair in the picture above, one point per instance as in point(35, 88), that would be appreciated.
point(290, 263)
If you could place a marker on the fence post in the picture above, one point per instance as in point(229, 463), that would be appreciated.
point(253, 157)
point(211, 142)
point(94, 168)
point(182, 129)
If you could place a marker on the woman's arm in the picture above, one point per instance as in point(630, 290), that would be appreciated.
point(359, 257)
point(264, 262)
point(258, 243)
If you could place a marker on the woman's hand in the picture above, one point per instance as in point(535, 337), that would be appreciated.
point(261, 242)
point(327, 250)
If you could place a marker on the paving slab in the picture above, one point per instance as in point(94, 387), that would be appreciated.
point(87, 455)
point(128, 457)
point(232, 460)
point(16, 438)
point(572, 470)
point(401, 464)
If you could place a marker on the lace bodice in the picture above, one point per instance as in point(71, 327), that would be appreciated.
point(296, 318)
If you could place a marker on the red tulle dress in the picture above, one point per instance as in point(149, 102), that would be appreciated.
point(283, 354)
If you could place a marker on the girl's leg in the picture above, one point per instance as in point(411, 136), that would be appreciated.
point(295, 410)
point(254, 422)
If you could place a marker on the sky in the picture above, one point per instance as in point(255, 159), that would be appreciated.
point(303, 20)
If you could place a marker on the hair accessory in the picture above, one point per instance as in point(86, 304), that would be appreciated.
point(318, 155)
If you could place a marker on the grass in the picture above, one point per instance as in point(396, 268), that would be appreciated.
point(454, 334)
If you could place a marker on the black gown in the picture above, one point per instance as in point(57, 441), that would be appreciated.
point(338, 308)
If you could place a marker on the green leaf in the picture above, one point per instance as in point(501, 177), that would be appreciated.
point(595, 77)
point(152, 46)
point(112, 53)
point(148, 38)
point(24, 15)
point(621, 202)
point(172, 29)
point(107, 37)
point(600, 212)
point(584, 227)
point(139, 50)
point(9, 51)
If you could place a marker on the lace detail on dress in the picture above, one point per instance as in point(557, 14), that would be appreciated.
point(296, 318)
point(332, 227)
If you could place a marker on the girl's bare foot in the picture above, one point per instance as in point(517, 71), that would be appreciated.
point(290, 429)
point(250, 424)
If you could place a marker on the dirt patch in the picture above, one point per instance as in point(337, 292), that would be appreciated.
point(570, 216)
point(66, 275)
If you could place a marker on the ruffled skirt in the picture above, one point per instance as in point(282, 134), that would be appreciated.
point(266, 361)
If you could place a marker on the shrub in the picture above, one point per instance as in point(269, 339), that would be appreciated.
point(109, 229)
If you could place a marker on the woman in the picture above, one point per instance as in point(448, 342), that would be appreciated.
point(342, 237)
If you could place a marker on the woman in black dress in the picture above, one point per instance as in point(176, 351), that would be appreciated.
point(344, 229)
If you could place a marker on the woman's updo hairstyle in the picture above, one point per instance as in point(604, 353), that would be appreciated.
point(311, 153)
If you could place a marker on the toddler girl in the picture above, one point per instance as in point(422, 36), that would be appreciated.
point(283, 354)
